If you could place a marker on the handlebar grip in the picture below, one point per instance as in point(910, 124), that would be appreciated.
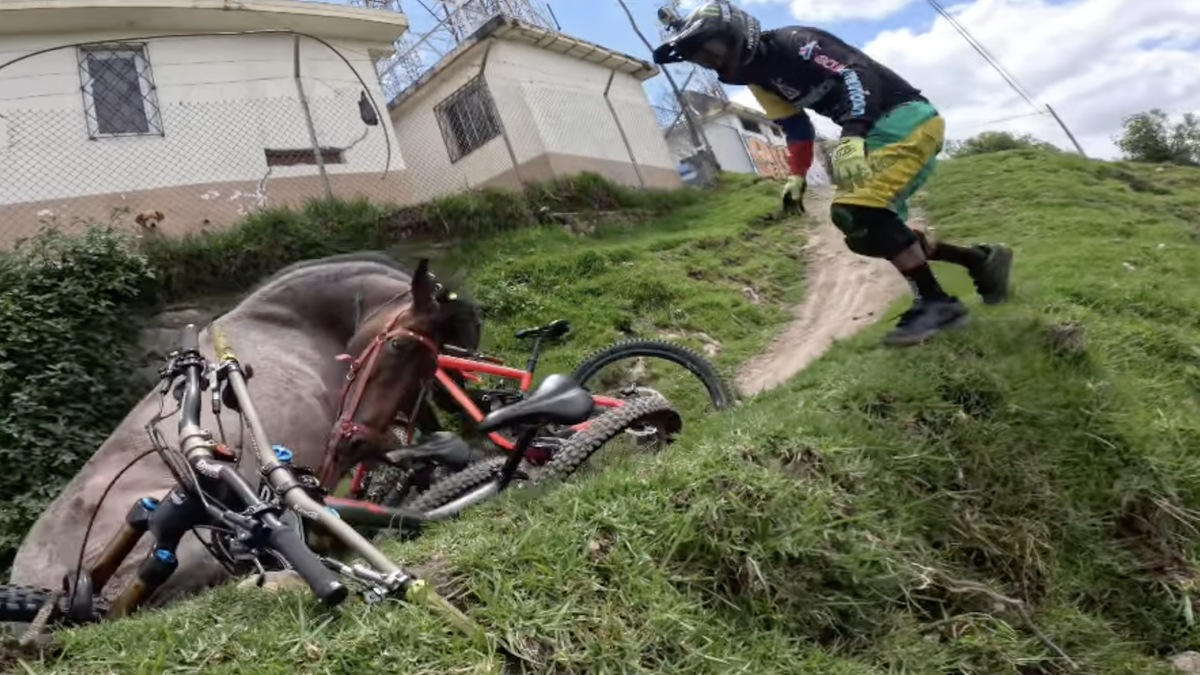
point(322, 580)
point(189, 339)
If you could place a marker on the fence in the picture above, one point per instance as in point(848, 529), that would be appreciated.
point(162, 133)
point(165, 138)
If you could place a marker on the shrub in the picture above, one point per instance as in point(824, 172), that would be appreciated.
point(995, 141)
point(1150, 137)
point(65, 324)
point(234, 259)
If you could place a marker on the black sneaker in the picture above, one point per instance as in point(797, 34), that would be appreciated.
point(991, 279)
point(926, 319)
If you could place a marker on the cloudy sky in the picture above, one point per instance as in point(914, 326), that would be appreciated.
point(1094, 61)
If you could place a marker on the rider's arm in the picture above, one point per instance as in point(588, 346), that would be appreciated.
point(858, 80)
point(797, 128)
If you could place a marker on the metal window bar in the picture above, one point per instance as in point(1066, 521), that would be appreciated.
point(467, 118)
point(119, 95)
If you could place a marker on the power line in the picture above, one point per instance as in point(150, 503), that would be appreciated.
point(1039, 113)
point(1012, 81)
point(987, 56)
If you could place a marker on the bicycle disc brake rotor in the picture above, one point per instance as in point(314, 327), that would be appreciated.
point(642, 434)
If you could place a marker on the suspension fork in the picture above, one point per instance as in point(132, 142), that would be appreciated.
point(172, 518)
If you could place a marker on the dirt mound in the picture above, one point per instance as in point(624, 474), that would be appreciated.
point(844, 293)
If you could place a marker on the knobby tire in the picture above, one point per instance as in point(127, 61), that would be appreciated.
point(579, 448)
point(21, 604)
point(458, 484)
point(697, 364)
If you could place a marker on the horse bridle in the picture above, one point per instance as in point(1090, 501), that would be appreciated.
point(360, 372)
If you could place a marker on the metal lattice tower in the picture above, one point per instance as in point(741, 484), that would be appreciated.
point(463, 17)
point(403, 67)
point(437, 26)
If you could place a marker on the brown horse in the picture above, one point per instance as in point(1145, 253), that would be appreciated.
point(291, 330)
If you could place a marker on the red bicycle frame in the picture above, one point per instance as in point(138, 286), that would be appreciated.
point(472, 369)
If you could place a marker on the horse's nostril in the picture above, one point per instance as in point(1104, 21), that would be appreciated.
point(352, 449)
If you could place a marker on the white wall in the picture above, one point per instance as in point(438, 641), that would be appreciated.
point(418, 133)
point(725, 136)
point(223, 100)
point(563, 100)
point(548, 103)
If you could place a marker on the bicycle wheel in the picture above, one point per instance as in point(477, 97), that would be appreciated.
point(458, 484)
point(653, 411)
point(680, 355)
point(21, 604)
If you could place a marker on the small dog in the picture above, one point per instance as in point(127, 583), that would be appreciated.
point(148, 222)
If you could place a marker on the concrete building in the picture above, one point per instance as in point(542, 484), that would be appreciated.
point(102, 113)
point(742, 139)
point(515, 103)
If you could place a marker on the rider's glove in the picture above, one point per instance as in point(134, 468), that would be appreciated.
point(849, 160)
point(793, 195)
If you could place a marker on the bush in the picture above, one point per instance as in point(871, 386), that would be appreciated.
point(65, 324)
point(1148, 137)
point(234, 259)
point(995, 141)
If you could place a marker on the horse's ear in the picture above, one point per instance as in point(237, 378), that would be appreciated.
point(422, 289)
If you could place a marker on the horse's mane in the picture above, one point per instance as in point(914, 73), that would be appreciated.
point(462, 317)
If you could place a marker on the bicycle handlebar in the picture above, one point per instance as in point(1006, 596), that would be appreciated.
point(286, 541)
point(284, 482)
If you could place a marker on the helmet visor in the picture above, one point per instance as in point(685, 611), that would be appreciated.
point(713, 53)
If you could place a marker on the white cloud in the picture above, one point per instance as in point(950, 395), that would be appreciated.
point(830, 11)
point(1094, 61)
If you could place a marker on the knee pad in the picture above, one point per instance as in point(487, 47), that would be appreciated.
point(875, 233)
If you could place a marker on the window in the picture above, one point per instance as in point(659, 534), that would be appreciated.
point(750, 125)
point(468, 119)
point(119, 97)
point(304, 156)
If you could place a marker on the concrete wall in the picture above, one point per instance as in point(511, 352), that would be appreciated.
point(555, 116)
point(222, 100)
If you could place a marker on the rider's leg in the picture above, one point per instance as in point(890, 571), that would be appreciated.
point(878, 233)
point(902, 148)
point(988, 264)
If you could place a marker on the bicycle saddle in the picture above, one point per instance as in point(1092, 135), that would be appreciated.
point(557, 401)
point(554, 329)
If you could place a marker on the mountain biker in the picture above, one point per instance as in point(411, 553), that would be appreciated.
point(890, 139)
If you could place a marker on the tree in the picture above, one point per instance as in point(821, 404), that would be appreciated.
point(995, 141)
point(1150, 137)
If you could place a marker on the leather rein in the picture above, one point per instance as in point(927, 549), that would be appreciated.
point(361, 369)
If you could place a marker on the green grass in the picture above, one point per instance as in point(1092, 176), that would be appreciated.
point(683, 278)
point(864, 518)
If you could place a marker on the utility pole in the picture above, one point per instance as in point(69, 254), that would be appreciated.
point(698, 139)
point(1066, 131)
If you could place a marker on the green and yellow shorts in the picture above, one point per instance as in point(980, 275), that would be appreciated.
point(902, 149)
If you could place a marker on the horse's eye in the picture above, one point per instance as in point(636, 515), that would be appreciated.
point(396, 345)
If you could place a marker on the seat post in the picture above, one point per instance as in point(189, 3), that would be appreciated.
point(533, 356)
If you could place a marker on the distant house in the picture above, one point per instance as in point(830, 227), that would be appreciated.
point(191, 131)
point(514, 103)
point(742, 139)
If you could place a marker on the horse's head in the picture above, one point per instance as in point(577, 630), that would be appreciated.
point(393, 355)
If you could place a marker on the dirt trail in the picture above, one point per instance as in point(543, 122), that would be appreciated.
point(843, 294)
